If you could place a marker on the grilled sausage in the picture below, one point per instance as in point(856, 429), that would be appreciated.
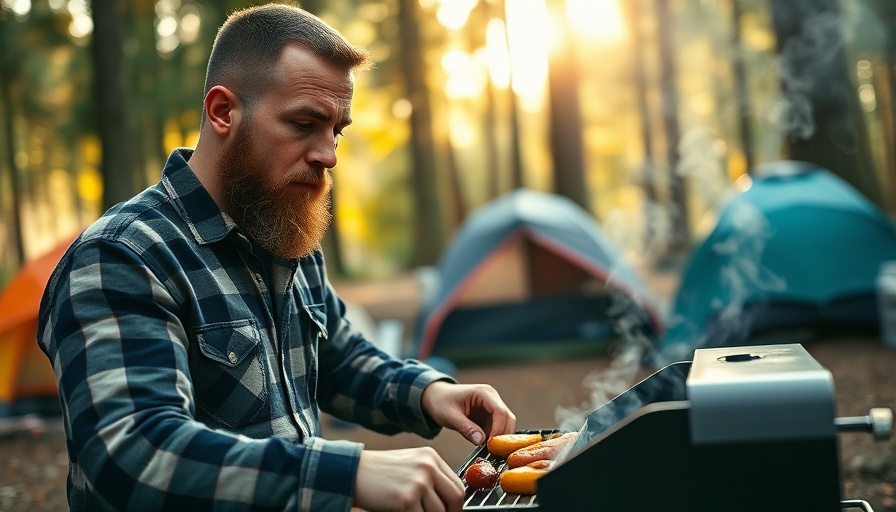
point(524, 480)
point(544, 450)
point(504, 445)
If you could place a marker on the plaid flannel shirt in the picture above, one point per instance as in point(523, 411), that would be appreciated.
point(191, 381)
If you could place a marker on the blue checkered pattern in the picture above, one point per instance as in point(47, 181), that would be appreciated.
point(192, 380)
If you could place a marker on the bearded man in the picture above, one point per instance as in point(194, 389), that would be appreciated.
point(193, 331)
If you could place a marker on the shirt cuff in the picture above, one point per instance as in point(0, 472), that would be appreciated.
point(425, 426)
point(329, 471)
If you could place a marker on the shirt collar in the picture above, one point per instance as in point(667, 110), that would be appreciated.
point(206, 220)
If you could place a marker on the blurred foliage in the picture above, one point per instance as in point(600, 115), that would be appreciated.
point(488, 104)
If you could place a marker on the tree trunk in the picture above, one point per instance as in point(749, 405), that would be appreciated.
point(890, 113)
point(458, 210)
point(885, 10)
point(153, 101)
point(490, 120)
point(9, 139)
point(427, 230)
point(117, 168)
point(741, 91)
point(492, 163)
point(516, 152)
point(823, 121)
point(517, 179)
point(74, 165)
point(567, 153)
point(668, 75)
point(883, 85)
point(648, 166)
point(332, 242)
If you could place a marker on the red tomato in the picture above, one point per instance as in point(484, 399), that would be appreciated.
point(481, 474)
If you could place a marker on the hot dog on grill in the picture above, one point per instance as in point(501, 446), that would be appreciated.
point(505, 444)
point(524, 480)
point(544, 450)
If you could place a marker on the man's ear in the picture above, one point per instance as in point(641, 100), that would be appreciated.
point(222, 108)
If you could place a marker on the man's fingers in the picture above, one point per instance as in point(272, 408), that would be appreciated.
point(471, 431)
point(503, 423)
point(449, 487)
point(501, 419)
point(432, 502)
point(452, 476)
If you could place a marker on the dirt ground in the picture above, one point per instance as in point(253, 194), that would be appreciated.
point(33, 462)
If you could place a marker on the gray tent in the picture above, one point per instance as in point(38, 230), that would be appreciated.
point(531, 273)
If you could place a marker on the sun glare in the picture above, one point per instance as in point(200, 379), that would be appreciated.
point(516, 52)
point(463, 77)
point(526, 31)
point(496, 51)
point(597, 20)
point(453, 14)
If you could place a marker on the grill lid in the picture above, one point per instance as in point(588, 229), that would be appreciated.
point(766, 392)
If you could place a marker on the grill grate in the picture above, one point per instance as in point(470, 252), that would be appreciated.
point(495, 498)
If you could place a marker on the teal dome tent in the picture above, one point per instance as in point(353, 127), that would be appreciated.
point(798, 249)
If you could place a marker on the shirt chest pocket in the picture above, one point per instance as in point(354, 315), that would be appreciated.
point(228, 372)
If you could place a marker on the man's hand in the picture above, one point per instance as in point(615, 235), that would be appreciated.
point(414, 479)
point(476, 411)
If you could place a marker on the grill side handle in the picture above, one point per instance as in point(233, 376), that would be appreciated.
point(879, 422)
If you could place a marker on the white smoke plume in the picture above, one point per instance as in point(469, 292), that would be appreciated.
point(604, 385)
point(743, 274)
point(645, 234)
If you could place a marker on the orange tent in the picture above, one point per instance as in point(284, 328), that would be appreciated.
point(27, 382)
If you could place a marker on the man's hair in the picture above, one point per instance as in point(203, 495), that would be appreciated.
point(247, 48)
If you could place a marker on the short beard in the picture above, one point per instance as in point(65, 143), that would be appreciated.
point(288, 224)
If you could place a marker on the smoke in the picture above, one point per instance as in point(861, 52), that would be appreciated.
point(702, 159)
point(792, 114)
point(741, 249)
point(808, 67)
point(645, 234)
point(642, 235)
point(804, 60)
point(603, 385)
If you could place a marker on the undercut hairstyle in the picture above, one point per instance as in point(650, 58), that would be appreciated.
point(247, 49)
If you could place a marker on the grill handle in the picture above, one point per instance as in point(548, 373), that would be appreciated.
point(879, 422)
point(862, 504)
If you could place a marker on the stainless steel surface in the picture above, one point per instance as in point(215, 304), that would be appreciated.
point(759, 393)
point(864, 505)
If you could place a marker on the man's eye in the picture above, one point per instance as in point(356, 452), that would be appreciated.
point(338, 136)
point(303, 126)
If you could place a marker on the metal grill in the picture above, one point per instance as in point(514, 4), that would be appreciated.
point(495, 498)
point(739, 429)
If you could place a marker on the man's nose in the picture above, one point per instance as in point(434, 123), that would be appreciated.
point(324, 152)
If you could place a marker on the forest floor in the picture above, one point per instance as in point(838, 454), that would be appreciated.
point(33, 460)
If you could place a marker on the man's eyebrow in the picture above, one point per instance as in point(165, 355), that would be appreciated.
point(320, 115)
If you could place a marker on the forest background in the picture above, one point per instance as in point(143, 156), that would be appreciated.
point(644, 112)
